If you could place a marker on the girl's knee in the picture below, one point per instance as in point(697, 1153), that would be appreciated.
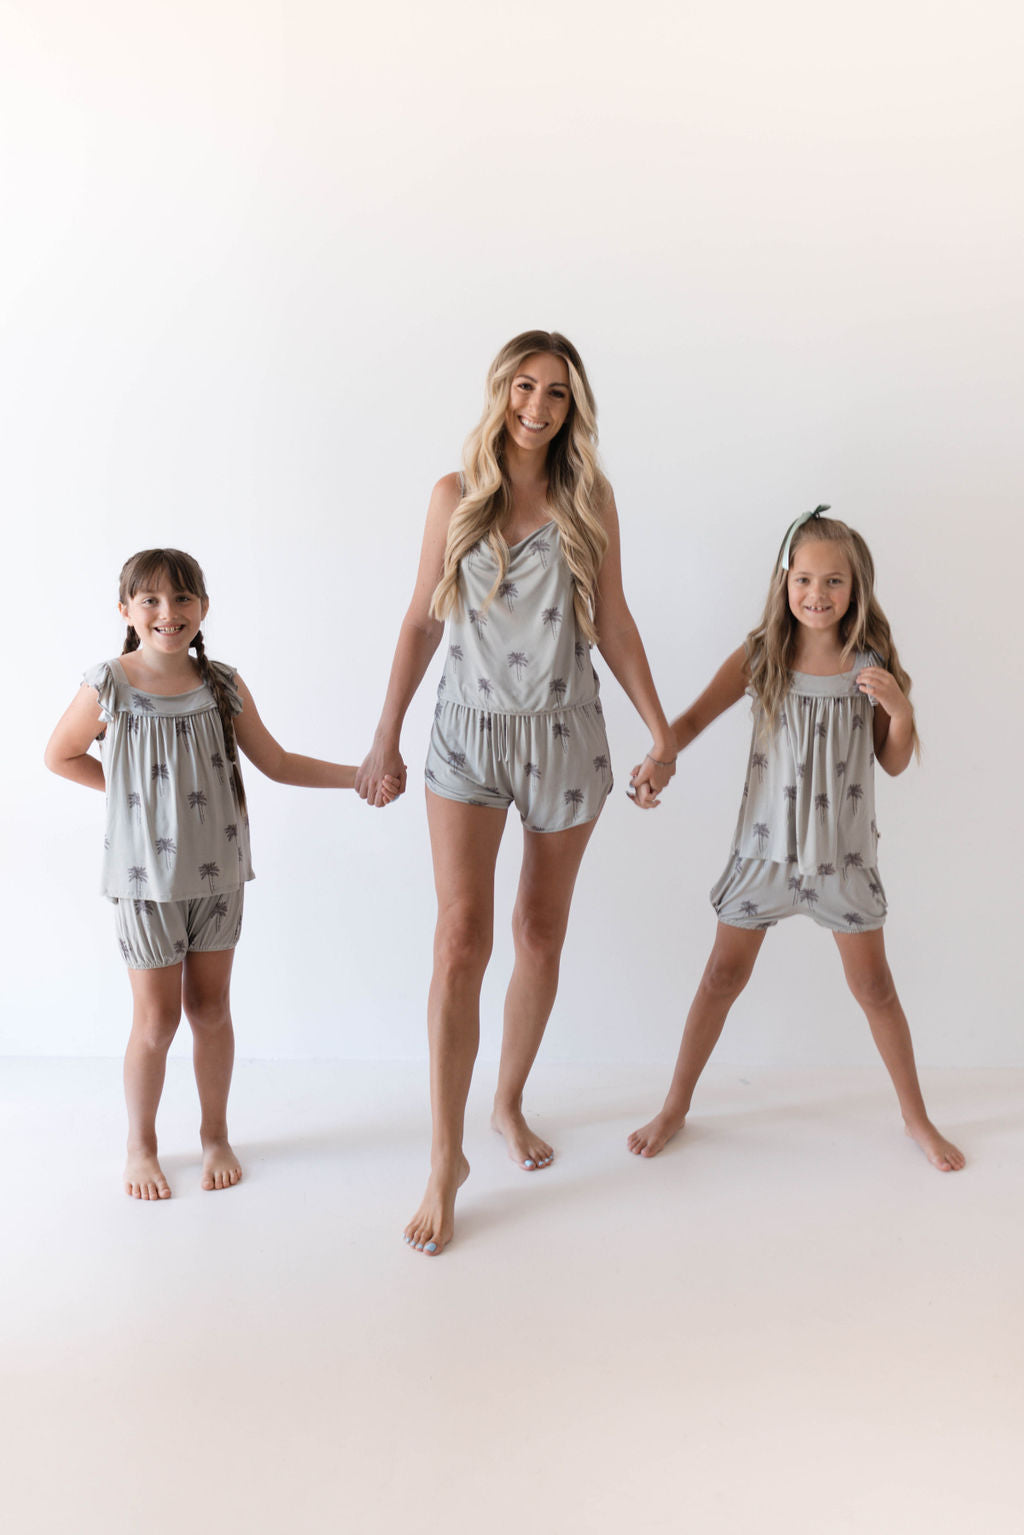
point(872, 987)
point(155, 1028)
point(208, 1013)
point(724, 978)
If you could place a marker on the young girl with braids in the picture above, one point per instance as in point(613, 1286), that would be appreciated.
point(829, 697)
point(177, 838)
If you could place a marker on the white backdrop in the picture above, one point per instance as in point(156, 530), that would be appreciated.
point(257, 258)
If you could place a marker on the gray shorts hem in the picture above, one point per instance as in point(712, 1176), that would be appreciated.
point(491, 803)
point(495, 804)
point(213, 948)
point(830, 927)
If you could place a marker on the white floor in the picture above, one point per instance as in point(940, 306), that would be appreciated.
point(787, 1322)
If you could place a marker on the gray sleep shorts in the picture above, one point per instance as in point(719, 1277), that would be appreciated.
point(155, 934)
point(553, 766)
point(754, 894)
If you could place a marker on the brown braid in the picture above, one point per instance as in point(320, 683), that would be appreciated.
point(220, 694)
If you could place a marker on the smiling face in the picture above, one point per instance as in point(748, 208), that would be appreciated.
point(164, 616)
point(819, 584)
point(539, 401)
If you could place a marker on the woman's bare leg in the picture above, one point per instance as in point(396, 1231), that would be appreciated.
point(870, 979)
point(206, 994)
point(551, 862)
point(464, 841)
point(725, 975)
point(156, 1013)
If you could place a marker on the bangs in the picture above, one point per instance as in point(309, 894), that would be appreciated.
point(180, 569)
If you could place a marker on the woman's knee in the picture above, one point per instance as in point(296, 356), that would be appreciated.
point(462, 942)
point(538, 935)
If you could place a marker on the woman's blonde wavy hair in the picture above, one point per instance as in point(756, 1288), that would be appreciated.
point(864, 627)
point(576, 485)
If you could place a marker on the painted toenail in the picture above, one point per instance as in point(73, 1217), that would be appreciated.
point(419, 1247)
point(431, 1247)
point(527, 1164)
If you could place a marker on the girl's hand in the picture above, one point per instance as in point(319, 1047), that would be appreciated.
point(881, 685)
point(382, 766)
point(390, 789)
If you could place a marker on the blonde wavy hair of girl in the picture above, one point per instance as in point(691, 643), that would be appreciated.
point(864, 627)
point(185, 575)
point(576, 485)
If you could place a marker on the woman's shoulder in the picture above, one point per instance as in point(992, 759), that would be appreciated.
point(449, 489)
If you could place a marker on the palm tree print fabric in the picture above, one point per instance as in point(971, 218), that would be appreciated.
point(154, 934)
point(755, 894)
point(526, 639)
point(174, 831)
point(809, 797)
point(518, 718)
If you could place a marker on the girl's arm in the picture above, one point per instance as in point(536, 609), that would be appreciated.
point(726, 688)
point(289, 767)
point(621, 646)
point(418, 639)
point(893, 723)
point(67, 751)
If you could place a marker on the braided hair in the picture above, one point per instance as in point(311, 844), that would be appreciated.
point(186, 575)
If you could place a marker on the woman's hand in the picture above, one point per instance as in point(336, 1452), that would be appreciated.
point(648, 779)
point(881, 685)
point(381, 776)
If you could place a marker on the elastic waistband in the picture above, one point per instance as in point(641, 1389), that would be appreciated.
point(521, 714)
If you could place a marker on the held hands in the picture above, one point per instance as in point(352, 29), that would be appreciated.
point(381, 777)
point(648, 779)
point(882, 686)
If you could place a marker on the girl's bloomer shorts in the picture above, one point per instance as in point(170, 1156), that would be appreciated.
point(754, 894)
point(553, 766)
point(154, 934)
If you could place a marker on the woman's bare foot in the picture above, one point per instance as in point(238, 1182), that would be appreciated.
point(433, 1225)
point(221, 1168)
point(652, 1138)
point(144, 1177)
point(940, 1152)
point(525, 1148)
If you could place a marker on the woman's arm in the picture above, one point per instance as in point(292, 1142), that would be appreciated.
point(289, 767)
point(726, 688)
point(67, 751)
point(418, 639)
point(893, 724)
point(621, 646)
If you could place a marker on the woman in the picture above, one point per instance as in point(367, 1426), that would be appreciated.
point(521, 556)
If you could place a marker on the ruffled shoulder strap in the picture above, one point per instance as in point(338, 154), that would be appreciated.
point(226, 677)
point(101, 677)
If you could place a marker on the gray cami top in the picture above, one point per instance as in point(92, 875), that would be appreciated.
point(524, 654)
point(809, 795)
point(174, 830)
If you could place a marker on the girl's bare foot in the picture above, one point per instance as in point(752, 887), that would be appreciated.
point(431, 1228)
point(144, 1177)
point(651, 1138)
point(525, 1148)
point(221, 1169)
point(940, 1152)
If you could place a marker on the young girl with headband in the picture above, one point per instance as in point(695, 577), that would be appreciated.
point(176, 854)
point(829, 697)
